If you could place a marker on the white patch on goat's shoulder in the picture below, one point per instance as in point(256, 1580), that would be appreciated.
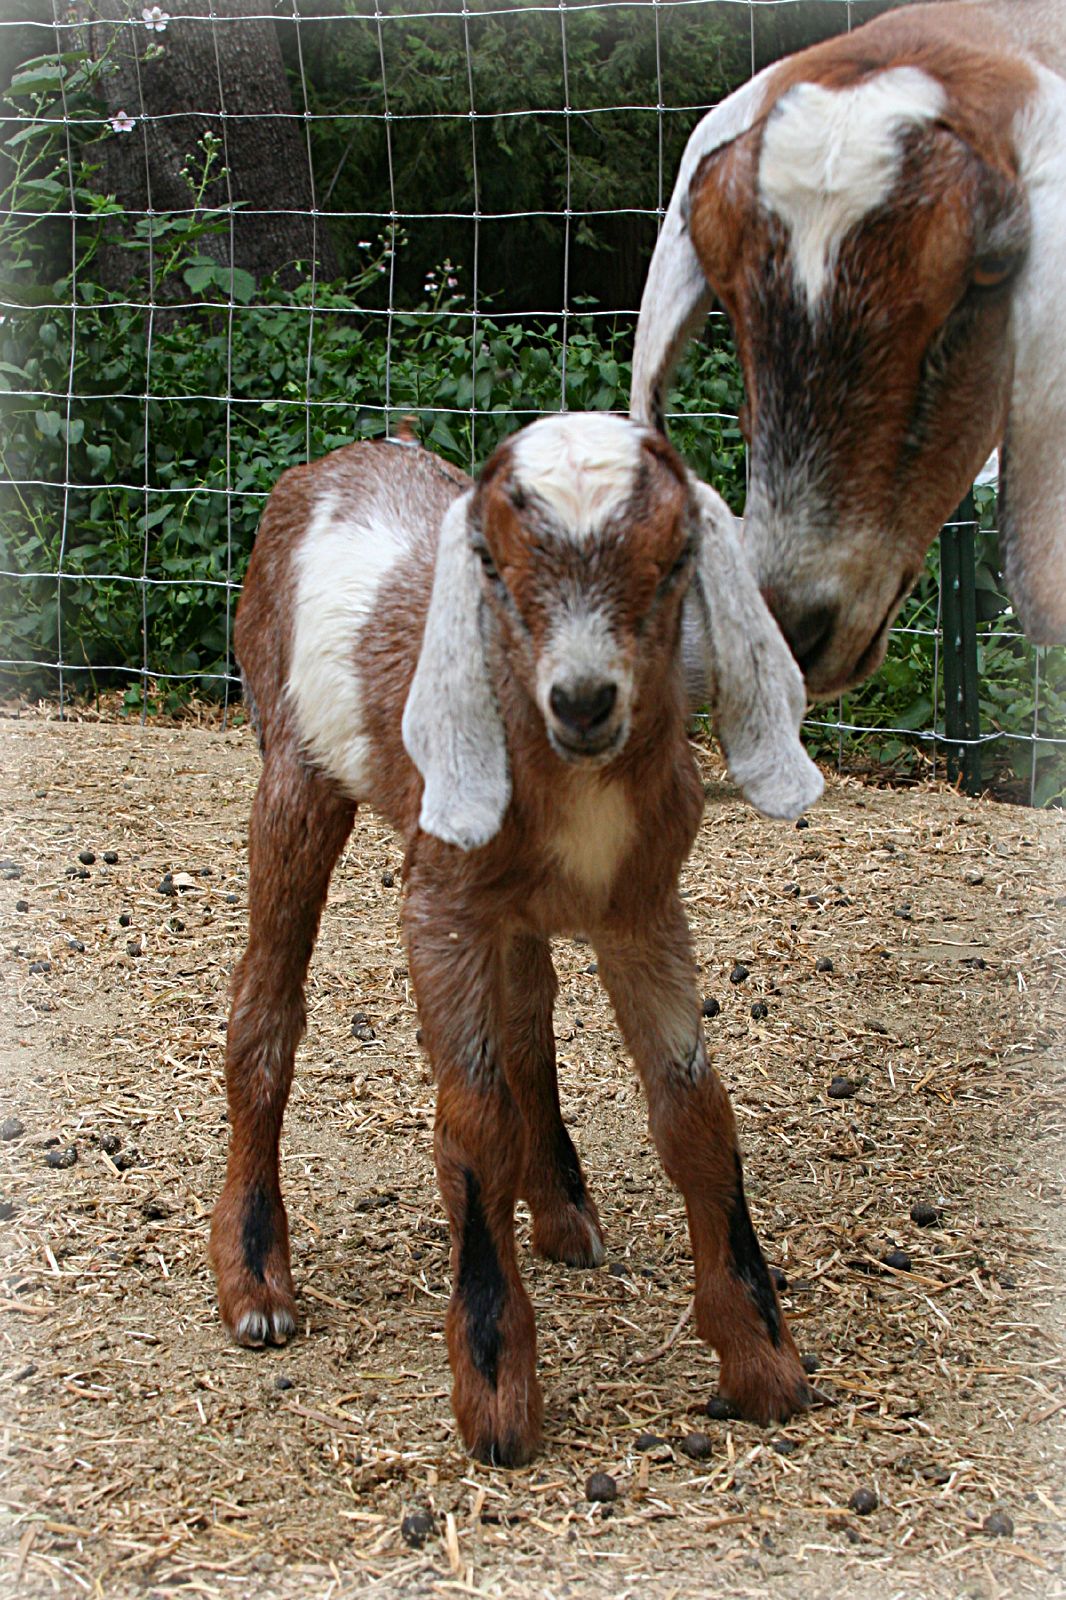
point(339, 567)
point(831, 156)
point(584, 466)
point(596, 830)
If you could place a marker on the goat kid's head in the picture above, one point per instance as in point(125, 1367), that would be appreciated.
point(570, 561)
point(885, 243)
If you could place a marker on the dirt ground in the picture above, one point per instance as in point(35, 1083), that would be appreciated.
point(140, 1453)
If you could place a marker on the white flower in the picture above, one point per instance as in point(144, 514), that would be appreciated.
point(155, 19)
point(364, 244)
point(120, 123)
point(452, 282)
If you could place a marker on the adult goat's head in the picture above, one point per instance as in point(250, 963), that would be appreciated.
point(884, 219)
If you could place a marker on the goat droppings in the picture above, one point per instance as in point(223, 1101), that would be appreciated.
point(842, 1088)
point(601, 1488)
point(697, 1446)
point(416, 1528)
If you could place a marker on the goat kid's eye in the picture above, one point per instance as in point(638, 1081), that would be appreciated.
point(679, 567)
point(992, 271)
point(488, 566)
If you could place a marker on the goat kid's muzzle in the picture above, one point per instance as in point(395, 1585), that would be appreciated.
point(586, 719)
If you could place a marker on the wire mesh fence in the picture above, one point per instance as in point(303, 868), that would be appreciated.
point(238, 235)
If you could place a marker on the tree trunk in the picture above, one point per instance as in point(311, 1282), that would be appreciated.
point(226, 77)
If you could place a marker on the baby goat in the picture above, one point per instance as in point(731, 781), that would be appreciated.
point(497, 669)
point(883, 216)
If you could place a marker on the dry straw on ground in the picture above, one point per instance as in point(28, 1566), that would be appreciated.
point(142, 1454)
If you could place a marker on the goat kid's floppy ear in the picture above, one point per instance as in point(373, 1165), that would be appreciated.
point(756, 688)
point(676, 295)
point(452, 728)
point(1034, 468)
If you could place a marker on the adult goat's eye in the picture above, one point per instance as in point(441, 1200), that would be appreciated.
point(991, 271)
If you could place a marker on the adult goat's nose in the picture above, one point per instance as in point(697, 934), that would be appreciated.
point(807, 630)
point(583, 707)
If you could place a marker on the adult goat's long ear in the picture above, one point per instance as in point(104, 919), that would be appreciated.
point(676, 295)
point(756, 689)
point(452, 728)
point(1033, 513)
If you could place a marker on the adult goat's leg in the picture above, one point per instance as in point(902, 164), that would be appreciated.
point(457, 972)
point(649, 975)
point(566, 1224)
point(298, 829)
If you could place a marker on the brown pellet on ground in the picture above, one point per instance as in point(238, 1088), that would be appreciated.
point(416, 1528)
point(601, 1488)
point(697, 1446)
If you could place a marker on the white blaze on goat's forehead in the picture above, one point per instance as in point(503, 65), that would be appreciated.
point(339, 567)
point(831, 156)
point(583, 466)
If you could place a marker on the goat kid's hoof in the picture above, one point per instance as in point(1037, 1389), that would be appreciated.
point(570, 1234)
point(770, 1388)
point(254, 1329)
point(506, 1440)
point(259, 1314)
point(500, 1423)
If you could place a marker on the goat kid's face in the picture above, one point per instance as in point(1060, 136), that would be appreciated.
point(564, 573)
point(584, 572)
point(877, 366)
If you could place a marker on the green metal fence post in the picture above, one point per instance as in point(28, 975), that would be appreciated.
point(958, 611)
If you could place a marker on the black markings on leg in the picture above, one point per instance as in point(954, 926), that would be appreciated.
point(258, 1233)
point(481, 1283)
point(568, 1166)
point(748, 1261)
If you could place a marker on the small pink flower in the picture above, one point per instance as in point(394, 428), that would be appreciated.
point(155, 19)
point(452, 282)
point(121, 123)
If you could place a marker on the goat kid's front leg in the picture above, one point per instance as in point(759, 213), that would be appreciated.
point(297, 831)
point(650, 978)
point(566, 1224)
point(479, 1145)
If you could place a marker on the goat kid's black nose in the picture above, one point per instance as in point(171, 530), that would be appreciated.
point(584, 707)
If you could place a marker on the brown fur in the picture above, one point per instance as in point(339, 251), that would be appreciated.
point(477, 926)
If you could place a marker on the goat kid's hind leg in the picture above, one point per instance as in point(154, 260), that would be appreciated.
point(650, 978)
point(566, 1224)
point(479, 1147)
point(298, 829)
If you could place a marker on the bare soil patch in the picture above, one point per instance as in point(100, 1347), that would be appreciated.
point(140, 1453)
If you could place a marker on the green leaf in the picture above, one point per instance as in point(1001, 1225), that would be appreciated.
point(241, 285)
point(40, 77)
point(49, 423)
point(200, 276)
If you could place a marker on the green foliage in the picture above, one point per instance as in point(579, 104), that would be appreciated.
point(549, 136)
